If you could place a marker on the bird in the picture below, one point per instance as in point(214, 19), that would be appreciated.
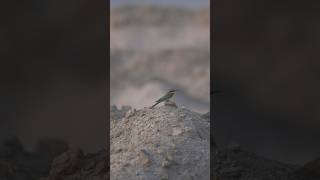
point(166, 97)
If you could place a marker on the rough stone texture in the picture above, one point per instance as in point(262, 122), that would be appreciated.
point(116, 113)
point(160, 143)
point(74, 165)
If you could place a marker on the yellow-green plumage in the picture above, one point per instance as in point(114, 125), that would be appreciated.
point(166, 97)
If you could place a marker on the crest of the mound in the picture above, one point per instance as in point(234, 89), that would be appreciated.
point(165, 142)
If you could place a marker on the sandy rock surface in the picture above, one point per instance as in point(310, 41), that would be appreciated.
point(161, 143)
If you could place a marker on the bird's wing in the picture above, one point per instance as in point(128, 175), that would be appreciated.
point(162, 98)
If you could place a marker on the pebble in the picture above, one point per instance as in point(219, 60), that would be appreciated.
point(176, 131)
point(165, 164)
point(143, 158)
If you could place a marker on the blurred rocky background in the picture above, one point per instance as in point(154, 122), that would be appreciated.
point(53, 72)
point(53, 87)
point(266, 61)
point(157, 46)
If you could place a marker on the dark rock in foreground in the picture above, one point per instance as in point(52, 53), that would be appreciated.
point(74, 165)
point(18, 164)
point(166, 142)
point(236, 164)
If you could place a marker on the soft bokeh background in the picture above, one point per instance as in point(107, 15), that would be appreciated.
point(160, 45)
point(266, 58)
point(53, 72)
point(181, 3)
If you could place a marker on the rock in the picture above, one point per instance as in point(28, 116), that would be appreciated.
point(161, 146)
point(165, 164)
point(73, 164)
point(206, 116)
point(101, 167)
point(176, 131)
point(182, 115)
point(242, 165)
point(66, 164)
point(116, 114)
point(125, 108)
point(170, 103)
point(130, 113)
point(143, 158)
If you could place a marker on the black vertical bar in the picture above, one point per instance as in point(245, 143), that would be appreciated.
point(108, 84)
point(211, 88)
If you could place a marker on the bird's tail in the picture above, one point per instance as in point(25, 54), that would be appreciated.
point(155, 104)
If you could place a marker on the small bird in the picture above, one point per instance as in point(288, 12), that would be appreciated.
point(166, 97)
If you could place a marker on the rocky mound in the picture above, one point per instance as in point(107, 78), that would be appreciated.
point(161, 143)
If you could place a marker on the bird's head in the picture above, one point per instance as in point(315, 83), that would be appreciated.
point(173, 91)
